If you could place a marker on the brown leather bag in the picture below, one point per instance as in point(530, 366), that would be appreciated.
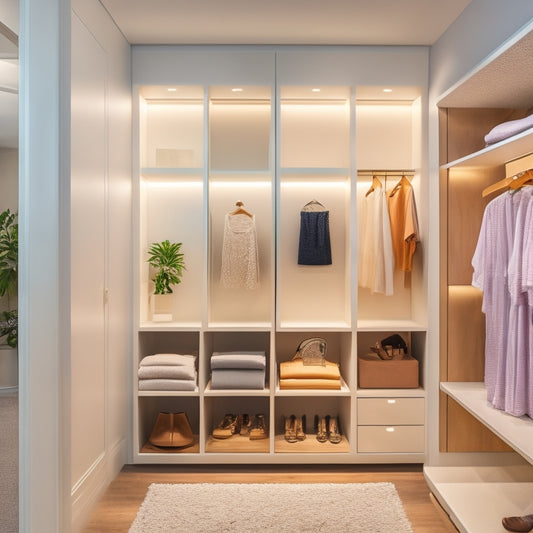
point(172, 430)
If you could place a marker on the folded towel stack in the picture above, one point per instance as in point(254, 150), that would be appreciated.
point(168, 371)
point(238, 370)
point(295, 375)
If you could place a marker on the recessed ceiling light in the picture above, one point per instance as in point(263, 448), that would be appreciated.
point(237, 89)
point(316, 90)
point(387, 90)
point(172, 89)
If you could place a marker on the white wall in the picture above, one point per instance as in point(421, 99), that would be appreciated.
point(482, 27)
point(100, 219)
point(9, 175)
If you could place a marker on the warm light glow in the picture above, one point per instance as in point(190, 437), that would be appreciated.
point(387, 90)
point(222, 184)
point(311, 184)
point(172, 89)
point(237, 89)
point(391, 401)
point(390, 430)
point(153, 182)
point(316, 90)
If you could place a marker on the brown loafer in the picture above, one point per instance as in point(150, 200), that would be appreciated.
point(518, 523)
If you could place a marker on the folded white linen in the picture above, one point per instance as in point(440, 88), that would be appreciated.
point(248, 360)
point(167, 384)
point(160, 359)
point(167, 372)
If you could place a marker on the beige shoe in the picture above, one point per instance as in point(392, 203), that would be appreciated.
point(226, 428)
point(258, 430)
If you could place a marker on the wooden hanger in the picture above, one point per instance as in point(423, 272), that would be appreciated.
point(376, 184)
point(403, 181)
point(498, 186)
point(511, 182)
point(240, 210)
point(524, 179)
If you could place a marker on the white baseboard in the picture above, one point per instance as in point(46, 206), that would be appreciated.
point(90, 487)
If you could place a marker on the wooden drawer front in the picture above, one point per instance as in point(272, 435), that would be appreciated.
point(393, 411)
point(390, 439)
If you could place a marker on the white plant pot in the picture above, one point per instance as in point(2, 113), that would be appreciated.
point(8, 367)
point(161, 306)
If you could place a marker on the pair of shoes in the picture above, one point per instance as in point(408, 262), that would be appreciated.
point(295, 428)
point(328, 428)
point(258, 428)
point(231, 425)
point(518, 523)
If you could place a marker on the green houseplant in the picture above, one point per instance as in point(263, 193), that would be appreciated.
point(168, 262)
point(8, 276)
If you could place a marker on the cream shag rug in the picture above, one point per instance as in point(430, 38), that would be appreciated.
point(272, 507)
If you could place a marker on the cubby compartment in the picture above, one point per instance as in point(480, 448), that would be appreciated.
point(416, 348)
point(388, 140)
point(338, 351)
point(236, 341)
point(171, 191)
point(171, 127)
point(215, 408)
point(241, 220)
point(312, 408)
point(149, 409)
point(314, 175)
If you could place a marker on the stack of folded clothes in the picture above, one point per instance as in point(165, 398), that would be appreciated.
point(168, 371)
point(295, 375)
point(238, 370)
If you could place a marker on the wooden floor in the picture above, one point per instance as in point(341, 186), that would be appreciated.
point(118, 507)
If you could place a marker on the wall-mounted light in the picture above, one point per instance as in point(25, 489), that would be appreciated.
point(172, 89)
point(387, 90)
point(237, 90)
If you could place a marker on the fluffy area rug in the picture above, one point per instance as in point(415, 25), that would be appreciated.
point(271, 507)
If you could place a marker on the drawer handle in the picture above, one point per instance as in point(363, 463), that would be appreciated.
point(391, 401)
point(390, 430)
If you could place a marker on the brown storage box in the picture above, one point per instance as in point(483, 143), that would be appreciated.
point(377, 373)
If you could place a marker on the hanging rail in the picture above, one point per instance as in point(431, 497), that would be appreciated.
point(387, 173)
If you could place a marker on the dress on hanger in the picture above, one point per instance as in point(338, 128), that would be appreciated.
point(240, 257)
point(499, 272)
point(376, 260)
point(314, 247)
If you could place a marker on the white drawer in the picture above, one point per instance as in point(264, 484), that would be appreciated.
point(390, 439)
point(393, 411)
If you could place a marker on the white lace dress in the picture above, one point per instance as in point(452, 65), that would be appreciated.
point(240, 258)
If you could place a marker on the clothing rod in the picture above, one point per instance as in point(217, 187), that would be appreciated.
point(386, 172)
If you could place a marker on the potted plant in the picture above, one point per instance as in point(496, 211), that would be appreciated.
point(166, 259)
point(8, 290)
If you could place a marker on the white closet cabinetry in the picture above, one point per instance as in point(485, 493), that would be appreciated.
point(208, 140)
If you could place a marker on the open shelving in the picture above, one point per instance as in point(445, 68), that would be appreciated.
point(273, 147)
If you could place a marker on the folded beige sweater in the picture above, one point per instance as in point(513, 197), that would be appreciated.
point(295, 369)
point(330, 384)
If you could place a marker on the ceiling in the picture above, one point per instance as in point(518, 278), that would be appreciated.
point(321, 22)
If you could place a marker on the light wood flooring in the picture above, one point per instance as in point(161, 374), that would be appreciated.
point(118, 507)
